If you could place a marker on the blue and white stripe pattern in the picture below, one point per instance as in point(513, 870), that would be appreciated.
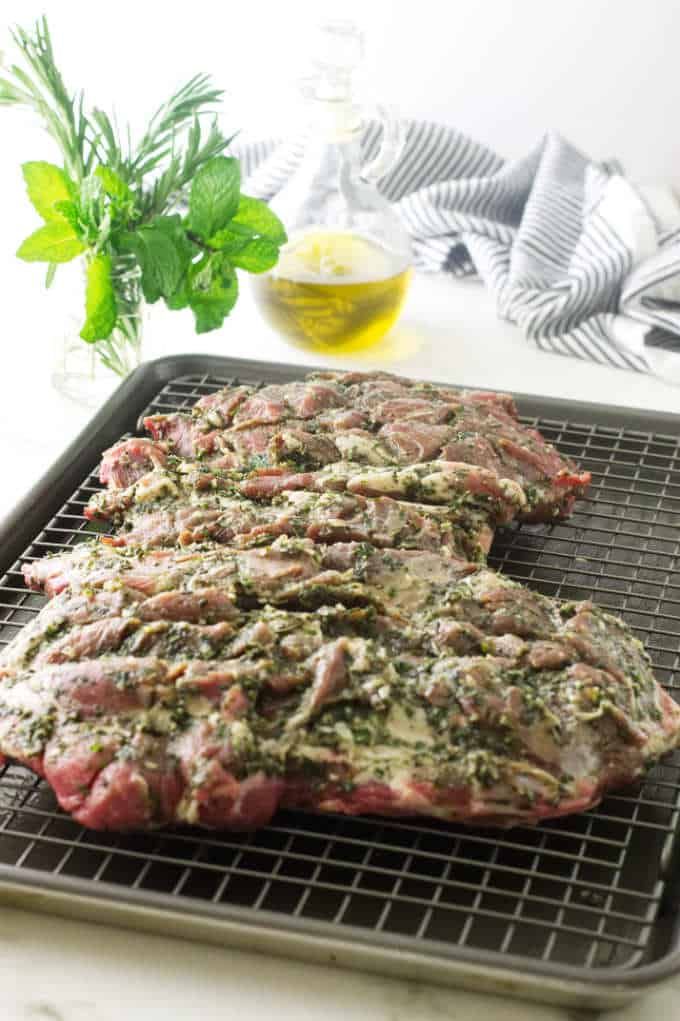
point(587, 264)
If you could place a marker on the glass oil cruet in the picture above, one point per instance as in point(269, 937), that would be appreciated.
point(341, 279)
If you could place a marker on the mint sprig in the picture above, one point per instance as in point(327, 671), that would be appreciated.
point(188, 262)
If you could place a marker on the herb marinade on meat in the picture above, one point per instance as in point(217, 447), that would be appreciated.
point(184, 504)
point(374, 419)
point(301, 616)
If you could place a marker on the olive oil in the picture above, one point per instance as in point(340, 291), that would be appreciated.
point(341, 279)
point(334, 290)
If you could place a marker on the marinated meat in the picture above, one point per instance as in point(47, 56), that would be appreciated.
point(375, 419)
point(168, 507)
point(124, 462)
point(293, 572)
point(437, 482)
point(241, 446)
point(294, 611)
point(328, 517)
point(137, 725)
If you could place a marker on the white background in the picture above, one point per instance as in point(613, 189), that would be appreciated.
point(603, 72)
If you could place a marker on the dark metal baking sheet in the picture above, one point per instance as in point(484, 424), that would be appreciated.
point(580, 910)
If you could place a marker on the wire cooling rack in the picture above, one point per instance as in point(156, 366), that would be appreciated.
point(581, 897)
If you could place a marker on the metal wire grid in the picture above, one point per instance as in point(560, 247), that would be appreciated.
point(588, 890)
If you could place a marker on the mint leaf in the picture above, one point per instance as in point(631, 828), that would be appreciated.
point(163, 252)
point(114, 186)
point(70, 212)
point(47, 185)
point(232, 238)
point(254, 219)
point(100, 300)
point(252, 239)
point(214, 197)
point(212, 290)
point(180, 299)
point(55, 242)
point(256, 256)
point(257, 216)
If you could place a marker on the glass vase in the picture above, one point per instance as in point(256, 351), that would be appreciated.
point(88, 373)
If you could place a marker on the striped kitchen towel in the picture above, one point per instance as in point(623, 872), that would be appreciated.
point(585, 262)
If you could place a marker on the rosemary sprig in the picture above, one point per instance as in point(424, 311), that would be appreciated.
point(178, 113)
point(46, 94)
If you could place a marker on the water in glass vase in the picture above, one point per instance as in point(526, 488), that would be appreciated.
point(334, 290)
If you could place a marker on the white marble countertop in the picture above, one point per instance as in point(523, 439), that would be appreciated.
point(54, 970)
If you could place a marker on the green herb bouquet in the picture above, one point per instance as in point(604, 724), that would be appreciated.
point(116, 204)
